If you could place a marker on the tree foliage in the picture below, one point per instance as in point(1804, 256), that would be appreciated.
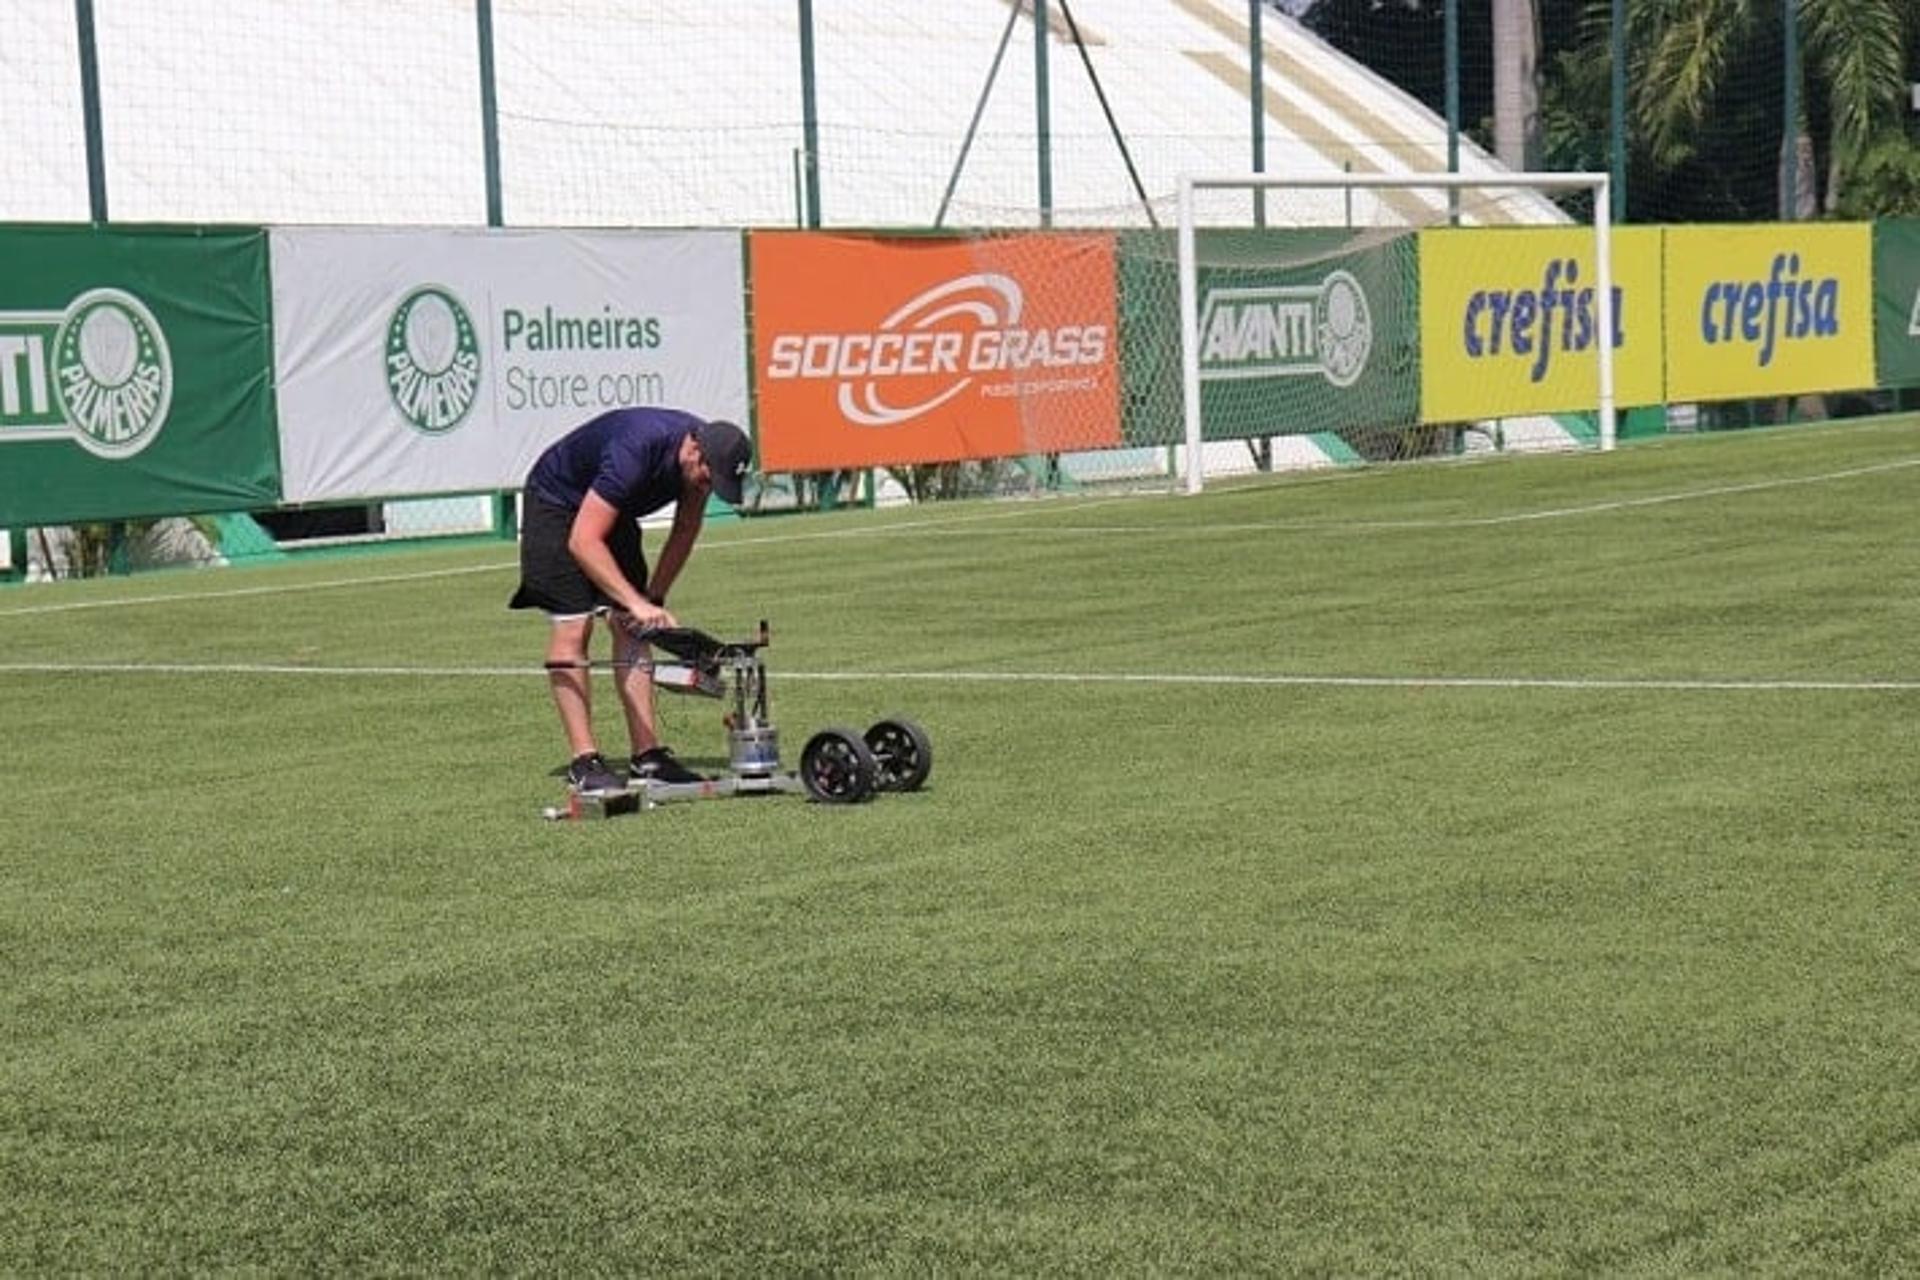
point(1885, 181)
point(1405, 41)
point(1705, 92)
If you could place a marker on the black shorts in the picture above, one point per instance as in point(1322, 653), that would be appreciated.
point(551, 579)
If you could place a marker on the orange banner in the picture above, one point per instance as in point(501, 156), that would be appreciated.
point(877, 351)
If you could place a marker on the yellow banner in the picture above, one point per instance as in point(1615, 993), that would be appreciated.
point(1509, 318)
point(1768, 309)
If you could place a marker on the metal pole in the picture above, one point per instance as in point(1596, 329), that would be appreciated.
point(1257, 104)
point(1042, 110)
point(1106, 110)
point(505, 514)
point(809, 114)
point(1617, 171)
point(1552, 180)
point(489, 112)
point(979, 109)
point(1189, 337)
point(1603, 283)
point(90, 111)
point(1452, 54)
point(1790, 113)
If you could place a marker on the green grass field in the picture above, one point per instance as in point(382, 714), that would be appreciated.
point(1498, 867)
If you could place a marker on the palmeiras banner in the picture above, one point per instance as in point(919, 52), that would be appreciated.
point(1329, 341)
point(1896, 301)
point(434, 361)
point(135, 373)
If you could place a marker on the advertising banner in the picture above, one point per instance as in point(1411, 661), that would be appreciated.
point(1326, 342)
point(871, 351)
point(419, 361)
point(1509, 321)
point(1768, 309)
point(1896, 300)
point(135, 374)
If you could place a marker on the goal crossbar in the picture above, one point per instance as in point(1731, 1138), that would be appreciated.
point(1599, 183)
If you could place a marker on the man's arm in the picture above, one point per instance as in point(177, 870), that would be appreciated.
point(587, 543)
point(688, 514)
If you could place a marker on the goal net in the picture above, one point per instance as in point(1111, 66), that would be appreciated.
point(1317, 326)
point(1253, 323)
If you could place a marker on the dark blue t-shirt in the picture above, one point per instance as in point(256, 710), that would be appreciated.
point(630, 457)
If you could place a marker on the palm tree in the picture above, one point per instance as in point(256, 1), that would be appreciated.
point(1516, 83)
point(1686, 56)
point(1862, 47)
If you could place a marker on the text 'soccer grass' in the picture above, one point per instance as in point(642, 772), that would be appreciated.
point(1492, 867)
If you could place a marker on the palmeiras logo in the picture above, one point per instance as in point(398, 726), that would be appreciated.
point(432, 360)
point(112, 373)
point(1289, 330)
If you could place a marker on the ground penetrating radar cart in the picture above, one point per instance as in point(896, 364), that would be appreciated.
point(838, 765)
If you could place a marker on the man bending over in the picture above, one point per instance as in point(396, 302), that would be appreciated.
point(580, 554)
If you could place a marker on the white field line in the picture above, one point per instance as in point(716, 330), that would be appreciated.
point(1479, 522)
point(974, 521)
point(1571, 683)
point(230, 593)
point(497, 566)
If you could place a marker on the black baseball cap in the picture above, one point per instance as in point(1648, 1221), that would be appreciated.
point(729, 456)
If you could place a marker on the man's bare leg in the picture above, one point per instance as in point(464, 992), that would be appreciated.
point(633, 679)
point(567, 678)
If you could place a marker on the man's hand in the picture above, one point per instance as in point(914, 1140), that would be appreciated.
point(643, 616)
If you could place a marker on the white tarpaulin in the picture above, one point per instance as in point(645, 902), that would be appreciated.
point(416, 361)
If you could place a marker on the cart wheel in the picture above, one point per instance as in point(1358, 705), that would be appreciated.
point(836, 767)
point(904, 753)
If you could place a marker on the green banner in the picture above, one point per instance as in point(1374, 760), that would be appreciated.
point(1896, 301)
point(1299, 332)
point(135, 374)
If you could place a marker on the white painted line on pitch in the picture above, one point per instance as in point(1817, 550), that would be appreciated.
point(937, 524)
point(1372, 682)
point(1575, 683)
point(1331, 525)
point(277, 589)
point(497, 566)
point(1473, 522)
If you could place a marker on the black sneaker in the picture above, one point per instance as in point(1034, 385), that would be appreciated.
point(658, 765)
point(590, 772)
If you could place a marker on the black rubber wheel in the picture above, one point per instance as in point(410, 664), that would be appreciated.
point(903, 752)
point(836, 767)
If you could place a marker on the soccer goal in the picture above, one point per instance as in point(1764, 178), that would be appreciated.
point(1302, 317)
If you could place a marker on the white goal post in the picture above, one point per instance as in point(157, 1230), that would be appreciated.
point(1258, 183)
